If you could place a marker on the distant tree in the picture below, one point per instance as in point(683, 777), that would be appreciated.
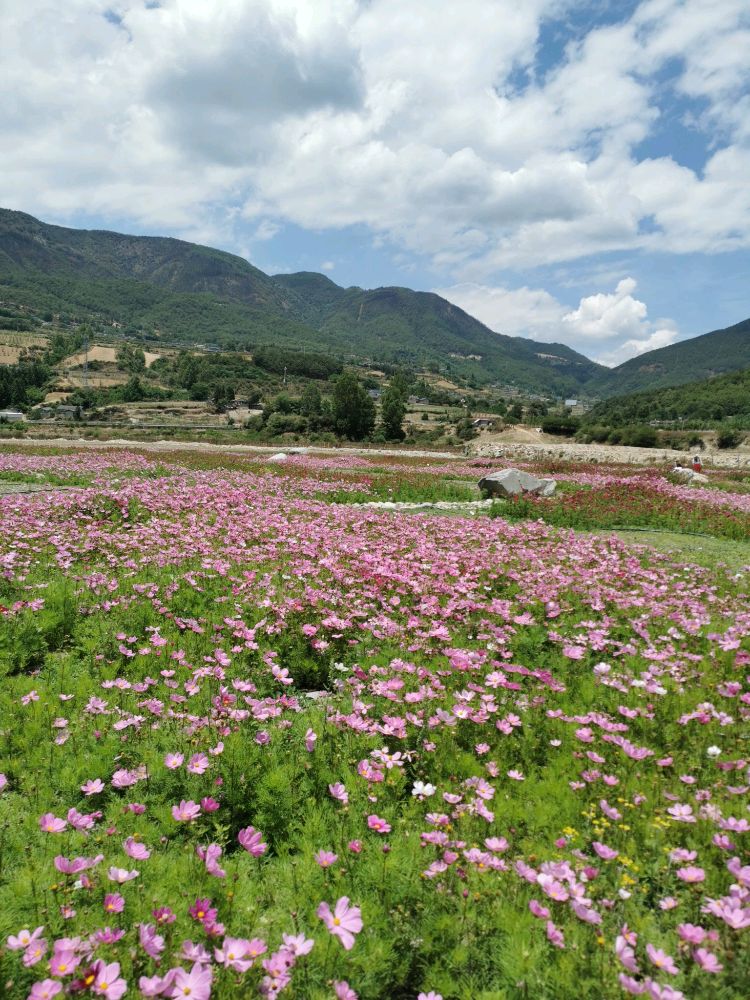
point(353, 410)
point(130, 358)
point(222, 395)
point(728, 439)
point(311, 403)
point(133, 391)
point(393, 411)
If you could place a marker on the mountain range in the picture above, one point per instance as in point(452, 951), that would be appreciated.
point(183, 291)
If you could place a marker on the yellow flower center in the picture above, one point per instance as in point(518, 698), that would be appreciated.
point(336, 921)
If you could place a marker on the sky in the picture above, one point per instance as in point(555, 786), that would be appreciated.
point(565, 171)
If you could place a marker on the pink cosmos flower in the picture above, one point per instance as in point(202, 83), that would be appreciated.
point(707, 960)
point(311, 739)
point(344, 922)
point(661, 960)
point(209, 805)
point(604, 852)
point(114, 902)
point(134, 849)
point(430, 996)
point(297, 944)
point(210, 856)
point(93, 786)
point(45, 990)
point(691, 874)
point(63, 962)
point(155, 986)
point(326, 858)
point(121, 875)
point(199, 764)
point(186, 812)
point(252, 840)
point(17, 942)
point(50, 823)
point(378, 825)
point(343, 991)
point(108, 982)
point(691, 933)
point(151, 942)
point(555, 935)
point(538, 910)
point(195, 984)
point(35, 952)
point(233, 954)
point(174, 760)
point(339, 792)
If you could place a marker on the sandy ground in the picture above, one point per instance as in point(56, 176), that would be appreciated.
point(158, 446)
point(511, 452)
point(99, 353)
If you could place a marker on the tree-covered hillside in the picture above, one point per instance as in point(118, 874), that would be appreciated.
point(695, 405)
point(173, 290)
point(691, 360)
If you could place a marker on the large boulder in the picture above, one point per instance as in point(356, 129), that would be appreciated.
point(516, 483)
point(279, 457)
point(688, 475)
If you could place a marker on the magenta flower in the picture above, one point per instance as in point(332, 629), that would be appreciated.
point(203, 910)
point(209, 805)
point(252, 840)
point(114, 902)
point(344, 922)
point(378, 825)
point(186, 812)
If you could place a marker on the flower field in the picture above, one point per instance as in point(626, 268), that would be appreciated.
point(258, 741)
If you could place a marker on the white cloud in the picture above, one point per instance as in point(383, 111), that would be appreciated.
point(434, 123)
point(611, 326)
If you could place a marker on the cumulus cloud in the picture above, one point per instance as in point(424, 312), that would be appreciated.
point(448, 130)
point(433, 123)
point(610, 326)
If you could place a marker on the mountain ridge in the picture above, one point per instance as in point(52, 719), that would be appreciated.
point(180, 290)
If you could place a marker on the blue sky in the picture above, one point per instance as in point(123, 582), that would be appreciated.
point(565, 171)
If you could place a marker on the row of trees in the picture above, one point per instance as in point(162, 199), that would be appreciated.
point(349, 411)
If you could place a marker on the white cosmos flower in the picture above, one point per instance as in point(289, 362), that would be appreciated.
point(423, 790)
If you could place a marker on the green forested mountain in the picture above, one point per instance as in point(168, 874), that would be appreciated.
point(687, 361)
point(173, 290)
point(181, 291)
point(696, 404)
